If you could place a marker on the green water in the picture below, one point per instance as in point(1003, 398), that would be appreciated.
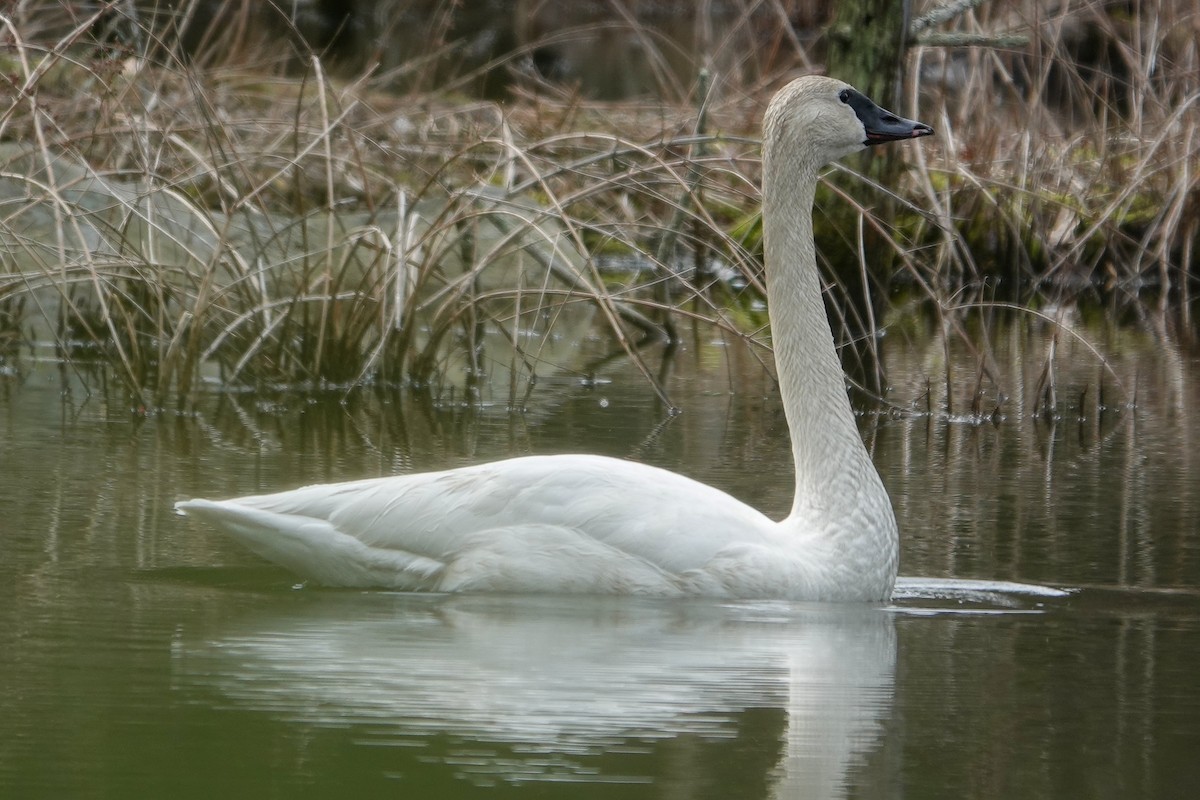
point(144, 656)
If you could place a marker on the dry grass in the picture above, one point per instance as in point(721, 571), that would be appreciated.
point(256, 221)
point(1066, 174)
point(1081, 176)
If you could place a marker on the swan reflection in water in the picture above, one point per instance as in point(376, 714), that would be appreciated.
point(530, 687)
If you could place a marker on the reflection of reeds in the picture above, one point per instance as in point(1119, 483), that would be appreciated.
point(180, 216)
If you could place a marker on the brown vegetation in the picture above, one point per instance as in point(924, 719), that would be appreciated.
point(226, 203)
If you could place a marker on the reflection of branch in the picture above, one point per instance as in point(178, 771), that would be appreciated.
point(918, 32)
point(1058, 325)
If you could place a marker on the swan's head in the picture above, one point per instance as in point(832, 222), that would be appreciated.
point(821, 119)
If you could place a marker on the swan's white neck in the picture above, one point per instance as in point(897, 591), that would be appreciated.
point(839, 497)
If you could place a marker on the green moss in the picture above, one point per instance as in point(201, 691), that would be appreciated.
point(747, 232)
point(1141, 210)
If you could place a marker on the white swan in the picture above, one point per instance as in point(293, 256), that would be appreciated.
point(584, 523)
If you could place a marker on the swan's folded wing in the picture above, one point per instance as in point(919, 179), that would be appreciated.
point(315, 547)
point(670, 522)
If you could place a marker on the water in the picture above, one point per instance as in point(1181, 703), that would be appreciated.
point(143, 656)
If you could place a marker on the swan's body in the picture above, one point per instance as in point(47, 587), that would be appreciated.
point(580, 523)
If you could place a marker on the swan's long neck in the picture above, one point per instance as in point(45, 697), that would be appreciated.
point(838, 492)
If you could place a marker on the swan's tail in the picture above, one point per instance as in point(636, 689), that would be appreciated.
point(315, 548)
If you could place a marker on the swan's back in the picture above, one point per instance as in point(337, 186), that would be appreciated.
point(539, 523)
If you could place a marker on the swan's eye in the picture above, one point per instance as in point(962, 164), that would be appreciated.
point(844, 95)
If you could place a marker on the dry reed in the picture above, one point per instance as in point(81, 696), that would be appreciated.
point(211, 214)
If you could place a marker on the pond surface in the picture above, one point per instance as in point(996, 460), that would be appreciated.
point(143, 655)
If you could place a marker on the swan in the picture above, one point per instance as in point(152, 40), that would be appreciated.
point(593, 524)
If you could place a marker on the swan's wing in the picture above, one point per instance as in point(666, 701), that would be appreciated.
point(315, 548)
point(507, 515)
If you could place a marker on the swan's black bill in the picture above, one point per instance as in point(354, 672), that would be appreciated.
point(880, 124)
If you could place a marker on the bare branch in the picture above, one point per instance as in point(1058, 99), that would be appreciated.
point(943, 13)
point(972, 40)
